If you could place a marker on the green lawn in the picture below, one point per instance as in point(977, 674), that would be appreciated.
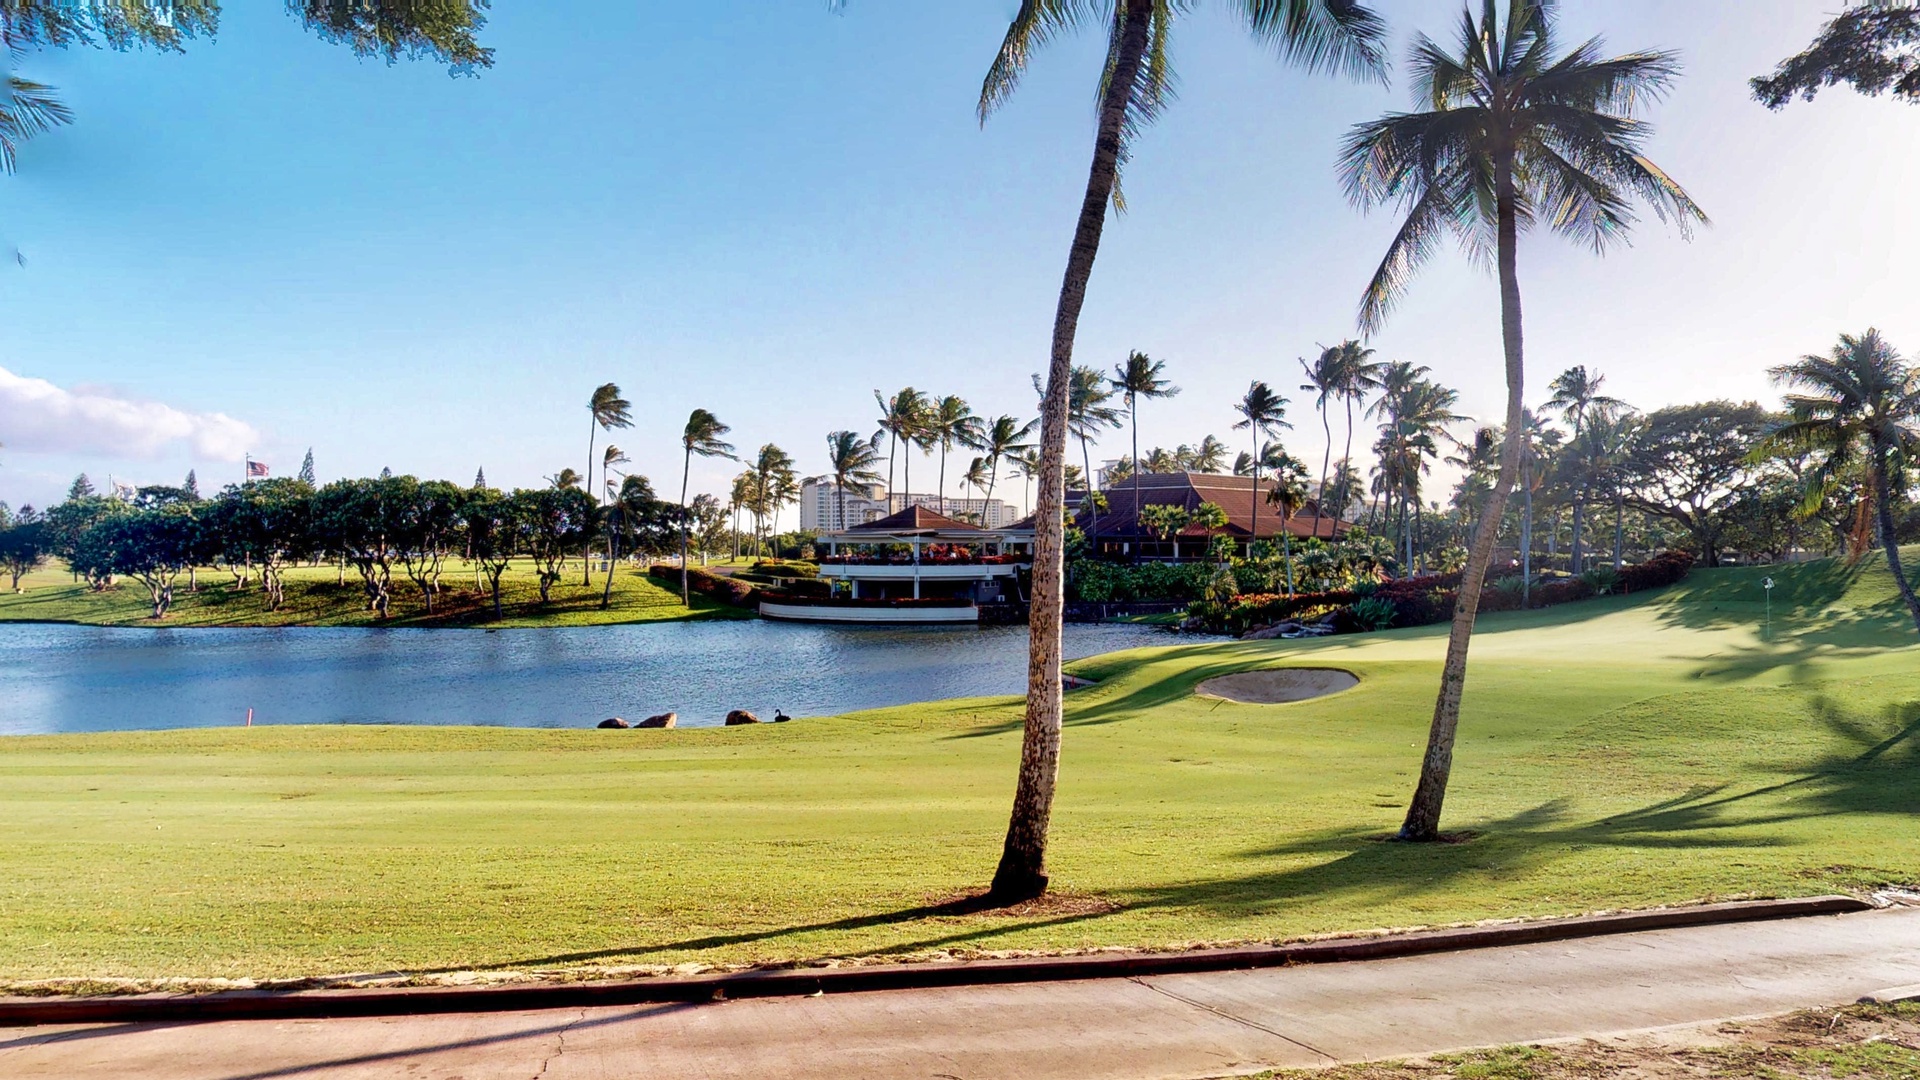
point(317, 596)
point(1615, 753)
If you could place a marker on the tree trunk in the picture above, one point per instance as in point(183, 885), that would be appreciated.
point(1579, 523)
point(1526, 537)
point(686, 470)
point(1326, 463)
point(1253, 527)
point(613, 548)
point(1022, 873)
point(496, 591)
point(1133, 408)
point(1093, 506)
point(1619, 527)
point(1423, 815)
point(1883, 508)
point(586, 556)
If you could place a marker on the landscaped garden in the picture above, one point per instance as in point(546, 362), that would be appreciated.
point(1624, 751)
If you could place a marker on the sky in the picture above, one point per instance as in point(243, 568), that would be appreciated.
point(264, 244)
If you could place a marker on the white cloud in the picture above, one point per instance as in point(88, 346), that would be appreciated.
point(37, 416)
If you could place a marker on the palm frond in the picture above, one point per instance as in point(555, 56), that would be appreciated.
point(1322, 35)
point(30, 109)
point(1036, 23)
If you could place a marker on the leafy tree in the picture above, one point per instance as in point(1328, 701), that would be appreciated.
point(307, 476)
point(1512, 132)
point(1860, 400)
point(81, 488)
point(266, 523)
point(1140, 377)
point(150, 546)
point(23, 544)
point(1263, 413)
point(710, 530)
point(852, 459)
point(360, 521)
point(702, 436)
point(1164, 520)
point(426, 519)
point(1873, 46)
point(1691, 462)
point(646, 523)
point(492, 524)
point(69, 522)
point(191, 486)
point(555, 522)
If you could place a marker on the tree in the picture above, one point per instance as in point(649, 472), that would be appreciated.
point(479, 479)
point(1027, 464)
point(191, 485)
point(1691, 462)
point(702, 436)
point(1087, 414)
point(775, 485)
point(1512, 133)
point(1210, 456)
point(493, 525)
point(1874, 46)
point(426, 517)
point(609, 411)
point(81, 488)
point(949, 423)
point(709, 525)
point(23, 545)
point(1289, 491)
point(555, 522)
point(1860, 400)
point(266, 523)
point(151, 546)
point(1163, 520)
point(902, 417)
point(1577, 395)
point(357, 519)
point(1005, 439)
point(307, 476)
point(852, 459)
point(1140, 377)
point(1263, 413)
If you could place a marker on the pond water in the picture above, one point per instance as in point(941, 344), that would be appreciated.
point(76, 678)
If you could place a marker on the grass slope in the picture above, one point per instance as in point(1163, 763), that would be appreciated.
point(315, 596)
point(1621, 752)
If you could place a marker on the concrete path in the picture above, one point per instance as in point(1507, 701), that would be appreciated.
point(1178, 1026)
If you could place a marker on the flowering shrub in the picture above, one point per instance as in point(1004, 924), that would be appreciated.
point(706, 583)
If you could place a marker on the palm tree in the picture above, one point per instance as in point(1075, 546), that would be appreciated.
point(1289, 491)
point(1512, 133)
point(1538, 443)
point(1135, 85)
point(949, 423)
point(975, 480)
point(1861, 399)
point(776, 485)
point(1210, 456)
point(1326, 377)
point(1140, 377)
point(1396, 382)
point(1264, 413)
point(702, 436)
point(1004, 440)
point(1361, 375)
point(1422, 415)
point(30, 109)
point(1159, 461)
point(901, 417)
point(1577, 395)
point(609, 411)
point(852, 459)
point(1027, 462)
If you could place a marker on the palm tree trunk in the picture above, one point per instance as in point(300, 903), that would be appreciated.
point(1022, 873)
point(1423, 815)
point(1346, 455)
point(1326, 463)
point(1579, 523)
point(940, 496)
point(1133, 409)
point(1619, 525)
point(613, 549)
point(686, 469)
point(1253, 529)
point(586, 554)
point(1093, 507)
point(1883, 508)
point(1526, 539)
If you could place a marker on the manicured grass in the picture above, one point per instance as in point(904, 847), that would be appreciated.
point(317, 596)
point(1617, 753)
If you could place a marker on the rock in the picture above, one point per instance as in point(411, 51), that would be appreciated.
point(665, 719)
point(741, 716)
point(1268, 633)
point(614, 721)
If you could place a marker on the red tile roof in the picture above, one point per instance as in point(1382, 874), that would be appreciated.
point(915, 519)
point(1187, 490)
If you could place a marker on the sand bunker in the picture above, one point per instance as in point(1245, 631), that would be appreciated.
point(1278, 686)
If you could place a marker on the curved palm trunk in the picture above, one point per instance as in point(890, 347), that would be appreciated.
point(1883, 510)
point(1022, 873)
point(1093, 508)
point(1253, 528)
point(586, 553)
point(1133, 409)
point(686, 469)
point(613, 552)
point(1423, 815)
point(1326, 463)
point(1346, 458)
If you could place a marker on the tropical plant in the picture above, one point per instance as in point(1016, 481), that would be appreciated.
point(1288, 493)
point(1210, 456)
point(1860, 400)
point(1136, 82)
point(1163, 520)
point(1159, 461)
point(852, 459)
point(1026, 462)
point(775, 485)
point(1511, 133)
point(949, 423)
point(1373, 612)
point(702, 435)
point(609, 410)
point(1140, 377)
point(1263, 413)
point(1005, 439)
point(1577, 395)
point(1874, 46)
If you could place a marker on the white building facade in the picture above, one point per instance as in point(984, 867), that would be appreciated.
point(985, 513)
point(820, 505)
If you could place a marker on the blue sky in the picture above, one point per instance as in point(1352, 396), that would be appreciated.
point(767, 210)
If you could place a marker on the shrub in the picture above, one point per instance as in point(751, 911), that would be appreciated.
point(1666, 568)
point(1602, 579)
point(706, 583)
point(1373, 613)
point(773, 569)
point(1103, 582)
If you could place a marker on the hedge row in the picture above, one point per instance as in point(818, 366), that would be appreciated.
point(1423, 601)
point(706, 583)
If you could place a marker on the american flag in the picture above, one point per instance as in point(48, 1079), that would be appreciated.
point(256, 468)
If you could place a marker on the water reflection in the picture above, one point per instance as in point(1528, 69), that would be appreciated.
point(72, 678)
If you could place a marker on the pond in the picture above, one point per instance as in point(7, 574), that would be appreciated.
point(57, 678)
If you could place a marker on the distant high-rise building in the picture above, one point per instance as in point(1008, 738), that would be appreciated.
point(986, 513)
point(820, 505)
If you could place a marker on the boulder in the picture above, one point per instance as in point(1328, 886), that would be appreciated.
point(667, 719)
point(614, 721)
point(1268, 633)
point(741, 716)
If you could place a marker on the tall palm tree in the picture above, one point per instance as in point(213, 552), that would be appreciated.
point(1135, 85)
point(1326, 377)
point(1003, 440)
point(1159, 461)
point(949, 423)
point(702, 436)
point(1264, 413)
point(1577, 395)
point(901, 417)
point(1422, 415)
point(776, 485)
point(1027, 463)
point(852, 459)
point(1289, 491)
point(1511, 133)
point(1396, 382)
point(1140, 377)
point(1859, 400)
point(609, 411)
point(1087, 415)
point(1361, 375)
point(975, 480)
point(1210, 456)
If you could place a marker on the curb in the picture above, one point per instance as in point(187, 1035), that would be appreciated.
point(404, 1001)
